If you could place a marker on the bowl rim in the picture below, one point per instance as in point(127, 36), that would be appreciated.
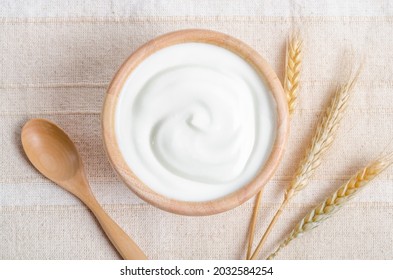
point(233, 199)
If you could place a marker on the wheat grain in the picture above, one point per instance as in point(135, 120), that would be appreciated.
point(321, 141)
point(291, 87)
point(293, 62)
point(335, 201)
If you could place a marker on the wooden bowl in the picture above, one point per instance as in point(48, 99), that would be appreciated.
point(207, 207)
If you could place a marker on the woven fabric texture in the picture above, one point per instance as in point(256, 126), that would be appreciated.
point(57, 59)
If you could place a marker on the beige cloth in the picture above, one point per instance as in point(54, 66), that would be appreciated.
point(57, 58)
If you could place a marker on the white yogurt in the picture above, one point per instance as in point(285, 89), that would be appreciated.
point(195, 122)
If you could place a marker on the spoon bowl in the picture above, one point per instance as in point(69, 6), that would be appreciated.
point(54, 154)
point(50, 150)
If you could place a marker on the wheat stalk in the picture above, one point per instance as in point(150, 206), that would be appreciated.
point(321, 141)
point(293, 62)
point(336, 200)
point(253, 222)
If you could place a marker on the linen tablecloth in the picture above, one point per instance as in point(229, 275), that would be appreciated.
point(57, 59)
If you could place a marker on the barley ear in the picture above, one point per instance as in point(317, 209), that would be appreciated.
point(323, 137)
point(321, 141)
point(335, 201)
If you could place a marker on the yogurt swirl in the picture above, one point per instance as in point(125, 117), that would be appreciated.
point(195, 122)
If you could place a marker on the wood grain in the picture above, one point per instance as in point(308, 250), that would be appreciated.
point(53, 153)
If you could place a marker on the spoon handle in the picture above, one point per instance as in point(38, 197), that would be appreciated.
point(126, 247)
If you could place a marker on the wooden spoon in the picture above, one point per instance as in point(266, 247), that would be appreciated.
point(53, 153)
